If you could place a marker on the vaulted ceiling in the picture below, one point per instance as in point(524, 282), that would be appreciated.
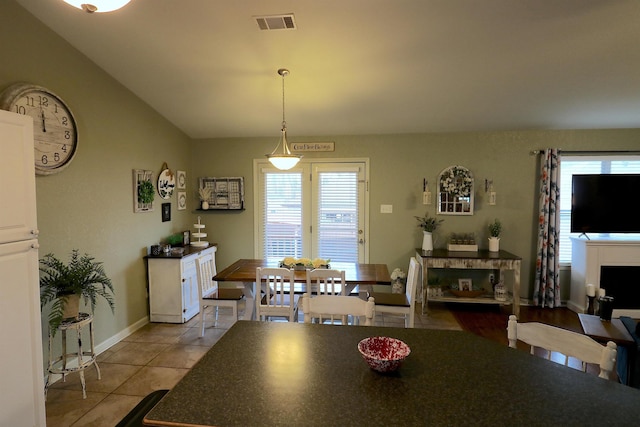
point(368, 66)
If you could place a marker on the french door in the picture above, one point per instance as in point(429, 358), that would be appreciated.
point(316, 210)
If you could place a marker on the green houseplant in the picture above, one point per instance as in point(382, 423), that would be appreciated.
point(81, 277)
point(428, 226)
point(146, 192)
point(495, 228)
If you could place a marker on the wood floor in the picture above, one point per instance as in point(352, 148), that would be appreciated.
point(490, 321)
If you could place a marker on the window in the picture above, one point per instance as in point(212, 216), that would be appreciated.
point(570, 165)
point(317, 209)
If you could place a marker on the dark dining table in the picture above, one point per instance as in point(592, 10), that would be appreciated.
point(293, 374)
point(356, 274)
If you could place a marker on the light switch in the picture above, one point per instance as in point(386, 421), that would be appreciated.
point(386, 208)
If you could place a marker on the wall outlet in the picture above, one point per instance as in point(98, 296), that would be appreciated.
point(492, 278)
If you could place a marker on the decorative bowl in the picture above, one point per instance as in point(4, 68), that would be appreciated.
point(383, 354)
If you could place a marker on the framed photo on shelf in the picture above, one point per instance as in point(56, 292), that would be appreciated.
point(465, 285)
point(186, 238)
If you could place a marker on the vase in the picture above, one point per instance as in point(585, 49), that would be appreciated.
point(71, 306)
point(205, 205)
point(494, 244)
point(427, 241)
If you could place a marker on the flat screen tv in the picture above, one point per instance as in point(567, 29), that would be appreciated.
point(605, 203)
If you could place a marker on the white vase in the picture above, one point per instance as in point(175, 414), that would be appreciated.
point(494, 244)
point(427, 241)
point(205, 205)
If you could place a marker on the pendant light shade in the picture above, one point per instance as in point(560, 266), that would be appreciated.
point(283, 159)
point(99, 6)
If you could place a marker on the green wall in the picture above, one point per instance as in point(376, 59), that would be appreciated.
point(89, 205)
point(398, 165)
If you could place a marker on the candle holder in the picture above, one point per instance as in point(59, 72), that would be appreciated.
point(591, 309)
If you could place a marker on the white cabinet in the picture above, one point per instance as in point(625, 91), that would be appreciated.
point(22, 403)
point(173, 285)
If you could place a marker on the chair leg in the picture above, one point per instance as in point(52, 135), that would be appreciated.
point(202, 310)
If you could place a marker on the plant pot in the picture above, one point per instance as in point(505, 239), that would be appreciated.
point(205, 205)
point(427, 241)
point(494, 244)
point(71, 306)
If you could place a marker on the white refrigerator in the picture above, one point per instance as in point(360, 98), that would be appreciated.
point(21, 359)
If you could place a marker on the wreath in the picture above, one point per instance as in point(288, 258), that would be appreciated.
point(145, 191)
point(456, 180)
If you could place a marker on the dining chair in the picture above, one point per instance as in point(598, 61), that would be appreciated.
point(323, 281)
point(337, 307)
point(210, 294)
point(403, 304)
point(568, 343)
point(279, 294)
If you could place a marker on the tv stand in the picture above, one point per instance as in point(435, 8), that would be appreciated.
point(588, 256)
point(585, 235)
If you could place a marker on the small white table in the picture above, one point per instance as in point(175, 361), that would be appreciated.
point(84, 358)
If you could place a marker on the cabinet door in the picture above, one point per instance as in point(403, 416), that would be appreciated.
point(22, 403)
point(190, 298)
point(18, 189)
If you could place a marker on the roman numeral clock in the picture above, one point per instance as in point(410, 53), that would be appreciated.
point(54, 127)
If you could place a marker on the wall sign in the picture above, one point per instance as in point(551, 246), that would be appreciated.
point(312, 146)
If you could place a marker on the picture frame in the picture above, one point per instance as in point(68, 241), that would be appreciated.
point(181, 180)
point(182, 200)
point(465, 285)
point(166, 212)
point(186, 238)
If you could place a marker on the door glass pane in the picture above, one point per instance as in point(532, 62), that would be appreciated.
point(282, 215)
point(337, 216)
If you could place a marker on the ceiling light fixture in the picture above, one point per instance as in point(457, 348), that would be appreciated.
point(99, 6)
point(283, 160)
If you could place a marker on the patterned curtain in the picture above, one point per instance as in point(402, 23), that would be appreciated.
point(546, 292)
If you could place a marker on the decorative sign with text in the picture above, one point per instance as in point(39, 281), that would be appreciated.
point(312, 146)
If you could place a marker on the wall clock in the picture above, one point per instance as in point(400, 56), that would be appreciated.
point(54, 128)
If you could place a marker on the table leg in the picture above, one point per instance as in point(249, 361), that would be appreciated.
point(249, 296)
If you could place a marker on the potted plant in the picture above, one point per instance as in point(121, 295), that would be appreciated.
point(428, 226)
point(495, 228)
point(64, 284)
point(146, 193)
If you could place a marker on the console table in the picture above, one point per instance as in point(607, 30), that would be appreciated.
point(483, 259)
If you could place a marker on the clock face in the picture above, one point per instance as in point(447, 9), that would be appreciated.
point(54, 128)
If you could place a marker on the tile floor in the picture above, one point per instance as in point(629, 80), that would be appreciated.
point(156, 357)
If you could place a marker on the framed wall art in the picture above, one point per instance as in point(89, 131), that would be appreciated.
point(182, 200)
point(143, 190)
point(181, 180)
point(166, 212)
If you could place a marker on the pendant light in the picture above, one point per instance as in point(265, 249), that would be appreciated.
point(99, 6)
point(283, 160)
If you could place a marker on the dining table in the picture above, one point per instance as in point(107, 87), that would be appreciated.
point(293, 374)
point(356, 274)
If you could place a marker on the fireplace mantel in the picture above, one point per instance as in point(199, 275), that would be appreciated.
point(586, 259)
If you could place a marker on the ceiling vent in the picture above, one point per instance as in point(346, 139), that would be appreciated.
point(276, 22)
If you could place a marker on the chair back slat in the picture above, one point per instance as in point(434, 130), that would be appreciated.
point(205, 269)
point(279, 298)
point(334, 307)
point(323, 281)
